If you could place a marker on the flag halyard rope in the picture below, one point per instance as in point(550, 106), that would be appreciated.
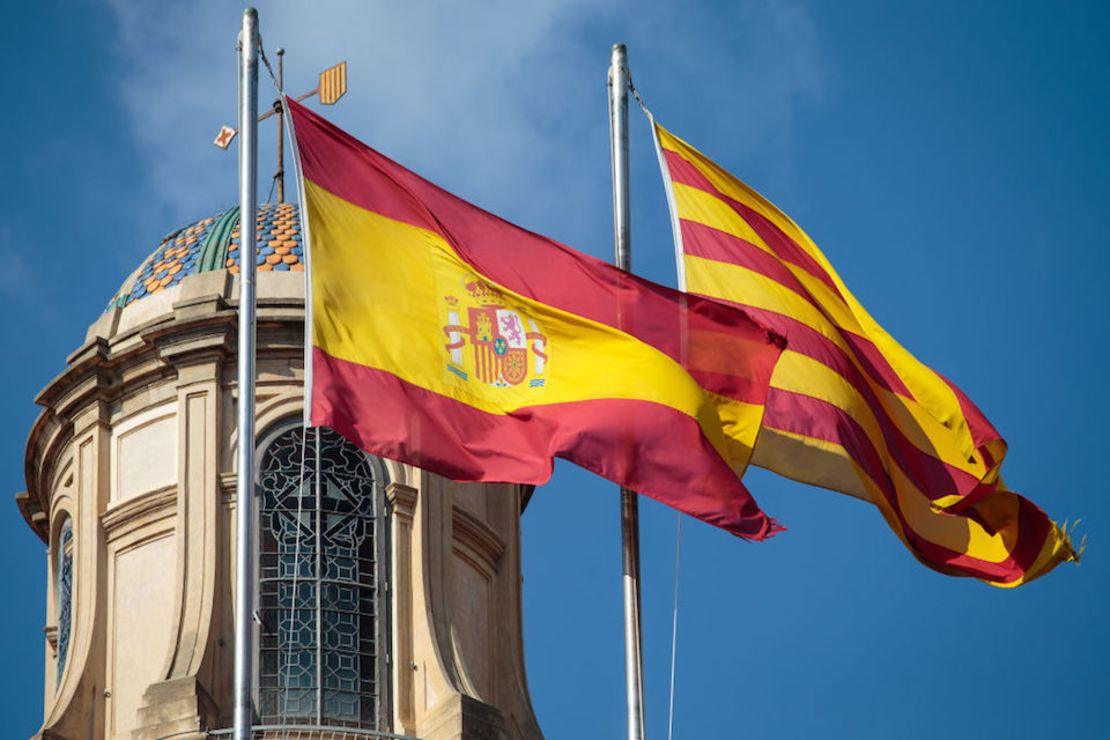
point(674, 623)
point(678, 518)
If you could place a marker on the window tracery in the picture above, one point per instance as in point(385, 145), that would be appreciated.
point(64, 596)
point(323, 595)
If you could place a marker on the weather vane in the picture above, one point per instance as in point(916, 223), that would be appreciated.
point(331, 87)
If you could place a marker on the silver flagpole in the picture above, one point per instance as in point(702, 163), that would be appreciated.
point(244, 454)
point(630, 510)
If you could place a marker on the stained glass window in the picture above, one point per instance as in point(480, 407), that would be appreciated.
point(322, 583)
point(65, 595)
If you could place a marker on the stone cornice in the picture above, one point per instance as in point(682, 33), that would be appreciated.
point(199, 328)
point(229, 489)
point(208, 338)
point(402, 498)
point(138, 512)
point(45, 444)
point(32, 514)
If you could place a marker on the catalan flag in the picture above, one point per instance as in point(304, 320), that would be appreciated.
point(850, 409)
point(446, 338)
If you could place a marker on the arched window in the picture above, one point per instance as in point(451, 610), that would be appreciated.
point(64, 597)
point(323, 593)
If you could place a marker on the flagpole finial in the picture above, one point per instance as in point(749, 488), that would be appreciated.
point(619, 56)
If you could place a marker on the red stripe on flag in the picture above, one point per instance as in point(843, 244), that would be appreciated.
point(1034, 527)
point(872, 358)
point(539, 268)
point(927, 472)
point(780, 243)
point(1032, 530)
point(683, 171)
point(783, 245)
point(701, 240)
point(982, 431)
point(812, 417)
point(820, 419)
point(710, 243)
point(648, 447)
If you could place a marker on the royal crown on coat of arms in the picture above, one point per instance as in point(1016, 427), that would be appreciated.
point(507, 348)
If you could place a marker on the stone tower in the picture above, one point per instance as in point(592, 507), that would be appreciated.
point(388, 598)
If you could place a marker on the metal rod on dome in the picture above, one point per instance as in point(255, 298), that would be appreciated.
point(244, 453)
point(630, 510)
point(280, 174)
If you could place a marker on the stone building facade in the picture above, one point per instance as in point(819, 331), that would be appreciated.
point(389, 598)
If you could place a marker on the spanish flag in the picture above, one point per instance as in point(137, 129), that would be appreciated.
point(447, 338)
point(849, 408)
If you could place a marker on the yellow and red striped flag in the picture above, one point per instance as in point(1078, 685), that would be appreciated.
point(850, 409)
point(447, 338)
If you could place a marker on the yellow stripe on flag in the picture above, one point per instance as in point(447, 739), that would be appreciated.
point(746, 287)
point(966, 522)
point(419, 282)
point(930, 390)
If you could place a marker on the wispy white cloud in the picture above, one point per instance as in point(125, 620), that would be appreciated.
point(732, 79)
point(503, 102)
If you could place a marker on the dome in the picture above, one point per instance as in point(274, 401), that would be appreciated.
point(212, 243)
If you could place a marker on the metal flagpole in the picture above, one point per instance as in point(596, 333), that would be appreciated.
point(244, 454)
point(630, 510)
point(280, 174)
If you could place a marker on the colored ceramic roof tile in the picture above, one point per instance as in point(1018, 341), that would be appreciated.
point(212, 243)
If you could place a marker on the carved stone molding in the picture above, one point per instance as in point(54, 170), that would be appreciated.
point(453, 586)
point(228, 482)
point(476, 542)
point(178, 708)
point(460, 716)
point(402, 498)
point(138, 512)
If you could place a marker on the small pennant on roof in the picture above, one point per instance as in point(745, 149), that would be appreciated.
point(223, 139)
point(333, 83)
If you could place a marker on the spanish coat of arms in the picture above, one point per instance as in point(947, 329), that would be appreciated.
point(506, 346)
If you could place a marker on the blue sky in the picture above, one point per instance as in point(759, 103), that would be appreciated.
point(951, 159)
